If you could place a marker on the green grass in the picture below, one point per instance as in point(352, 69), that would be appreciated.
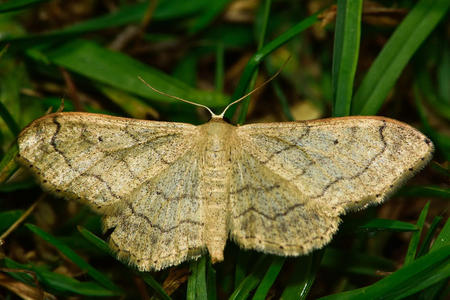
point(345, 54)
point(212, 53)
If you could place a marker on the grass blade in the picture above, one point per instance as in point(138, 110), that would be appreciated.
point(65, 283)
point(269, 278)
point(58, 282)
point(443, 238)
point(118, 70)
point(186, 69)
point(192, 281)
point(304, 276)
point(345, 54)
point(16, 186)
point(148, 279)
point(251, 281)
point(75, 258)
point(442, 142)
point(124, 15)
point(102, 245)
point(259, 56)
point(4, 50)
point(356, 263)
point(9, 120)
point(387, 225)
point(214, 9)
point(440, 169)
point(12, 5)
point(425, 191)
point(8, 164)
point(197, 280)
point(434, 100)
point(211, 281)
point(133, 106)
point(283, 101)
point(394, 56)
point(7, 218)
point(444, 75)
point(425, 247)
point(242, 266)
point(95, 240)
point(418, 275)
point(261, 40)
point(201, 287)
point(415, 238)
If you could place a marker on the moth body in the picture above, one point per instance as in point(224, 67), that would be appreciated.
point(216, 164)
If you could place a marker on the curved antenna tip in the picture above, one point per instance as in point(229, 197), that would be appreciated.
point(213, 115)
point(254, 90)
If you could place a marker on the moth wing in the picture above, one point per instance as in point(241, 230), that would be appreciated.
point(292, 180)
point(130, 171)
point(97, 158)
point(163, 222)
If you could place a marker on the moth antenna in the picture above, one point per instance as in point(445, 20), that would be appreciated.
point(48, 111)
point(255, 89)
point(61, 105)
point(178, 98)
point(213, 115)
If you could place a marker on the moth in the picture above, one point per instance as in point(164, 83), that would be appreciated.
point(171, 192)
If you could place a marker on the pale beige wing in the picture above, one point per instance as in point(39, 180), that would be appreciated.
point(313, 171)
point(141, 175)
point(163, 222)
point(268, 213)
point(100, 159)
